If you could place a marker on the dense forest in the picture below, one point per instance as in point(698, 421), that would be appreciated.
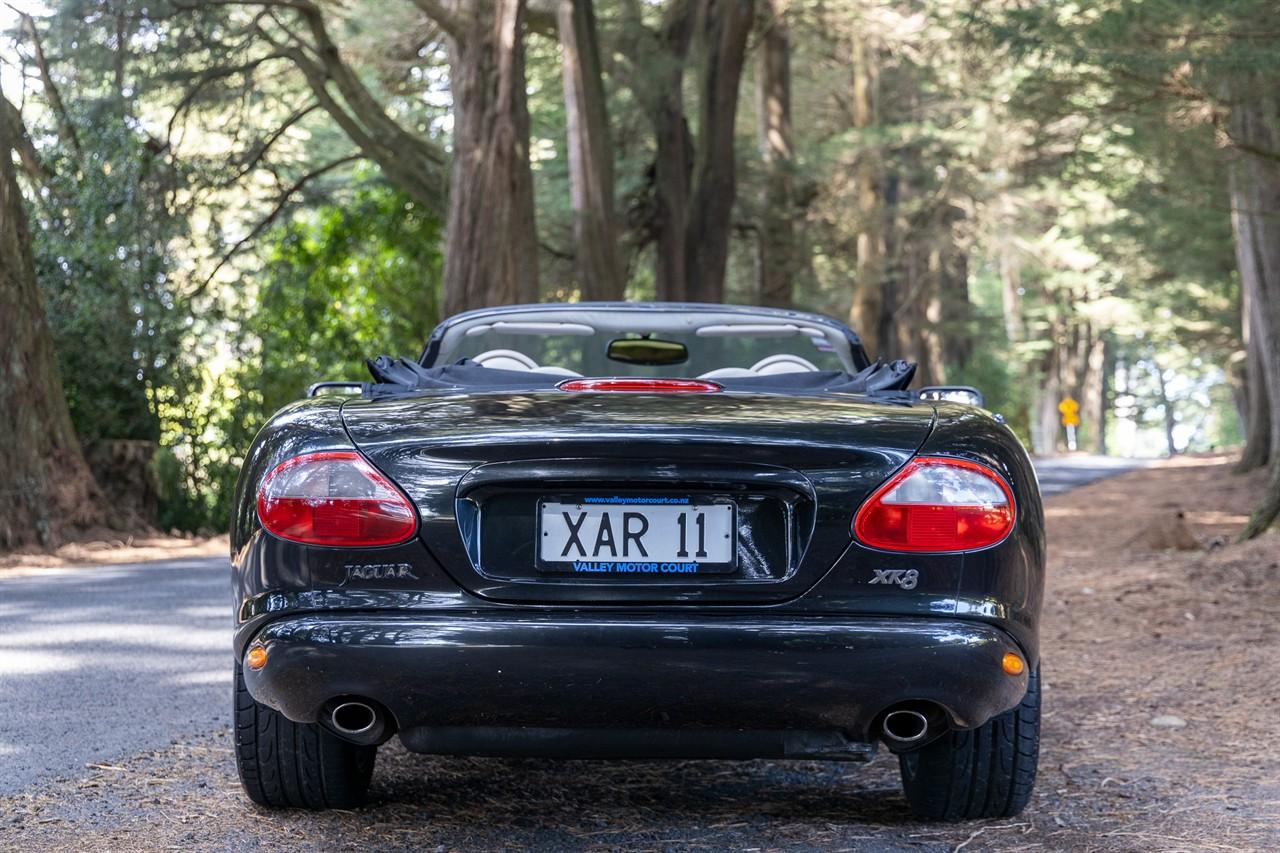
point(207, 204)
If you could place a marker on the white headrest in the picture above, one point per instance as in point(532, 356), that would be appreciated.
point(505, 359)
point(783, 363)
point(726, 373)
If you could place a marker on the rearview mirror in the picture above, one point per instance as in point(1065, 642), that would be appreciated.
point(966, 394)
point(647, 351)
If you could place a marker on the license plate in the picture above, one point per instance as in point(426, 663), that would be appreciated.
point(661, 537)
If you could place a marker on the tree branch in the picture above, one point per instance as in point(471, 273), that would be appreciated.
point(281, 204)
point(255, 157)
point(32, 163)
point(445, 16)
point(212, 74)
point(66, 129)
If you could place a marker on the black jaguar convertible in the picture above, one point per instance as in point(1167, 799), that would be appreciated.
point(639, 531)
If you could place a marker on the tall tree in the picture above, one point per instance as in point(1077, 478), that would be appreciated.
point(693, 180)
point(778, 255)
point(868, 314)
point(1255, 134)
point(492, 240)
point(725, 27)
point(657, 78)
point(1256, 411)
point(591, 186)
point(48, 488)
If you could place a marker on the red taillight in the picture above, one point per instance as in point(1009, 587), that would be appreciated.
point(642, 386)
point(937, 504)
point(333, 498)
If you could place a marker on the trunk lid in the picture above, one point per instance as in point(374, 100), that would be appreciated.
point(481, 467)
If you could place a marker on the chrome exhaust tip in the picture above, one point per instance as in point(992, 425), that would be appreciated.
point(904, 728)
point(357, 722)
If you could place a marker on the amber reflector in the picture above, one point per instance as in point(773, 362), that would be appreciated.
point(1012, 664)
point(257, 658)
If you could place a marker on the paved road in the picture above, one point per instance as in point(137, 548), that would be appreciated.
point(1061, 473)
point(104, 662)
point(101, 663)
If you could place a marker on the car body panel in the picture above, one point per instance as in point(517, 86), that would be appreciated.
point(644, 669)
point(825, 454)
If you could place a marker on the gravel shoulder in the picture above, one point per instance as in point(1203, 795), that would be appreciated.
point(1161, 698)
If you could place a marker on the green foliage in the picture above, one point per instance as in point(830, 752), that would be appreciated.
point(101, 257)
point(340, 284)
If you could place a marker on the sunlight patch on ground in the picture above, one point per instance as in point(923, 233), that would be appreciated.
point(208, 676)
point(13, 662)
point(111, 633)
point(1068, 512)
point(209, 611)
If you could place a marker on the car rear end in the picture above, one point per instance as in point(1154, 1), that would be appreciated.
point(638, 574)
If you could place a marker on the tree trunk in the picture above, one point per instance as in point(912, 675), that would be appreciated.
point(693, 180)
point(954, 309)
point(869, 271)
point(920, 322)
point(1257, 410)
point(1011, 290)
point(491, 249)
point(595, 228)
point(672, 170)
point(1256, 413)
point(1045, 429)
point(47, 489)
point(673, 165)
point(778, 252)
point(1167, 405)
point(1256, 199)
point(1094, 402)
point(725, 27)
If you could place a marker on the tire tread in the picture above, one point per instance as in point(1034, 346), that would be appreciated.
point(987, 772)
point(283, 764)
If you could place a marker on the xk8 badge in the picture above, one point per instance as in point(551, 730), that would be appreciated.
point(905, 578)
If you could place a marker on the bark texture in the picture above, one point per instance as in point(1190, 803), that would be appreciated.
point(867, 311)
point(673, 166)
point(595, 228)
point(491, 254)
point(725, 27)
point(693, 182)
point(778, 255)
point(1255, 411)
point(955, 309)
point(47, 488)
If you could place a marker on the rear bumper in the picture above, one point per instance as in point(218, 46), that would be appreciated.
point(601, 672)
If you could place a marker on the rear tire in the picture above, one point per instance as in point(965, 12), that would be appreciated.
point(283, 764)
point(987, 772)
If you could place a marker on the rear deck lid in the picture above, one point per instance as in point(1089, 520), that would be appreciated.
point(552, 496)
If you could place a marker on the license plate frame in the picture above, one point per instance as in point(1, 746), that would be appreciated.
point(632, 566)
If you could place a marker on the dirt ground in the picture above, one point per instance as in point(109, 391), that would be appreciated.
point(111, 548)
point(1163, 696)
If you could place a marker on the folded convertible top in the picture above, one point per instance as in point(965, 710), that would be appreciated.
point(398, 377)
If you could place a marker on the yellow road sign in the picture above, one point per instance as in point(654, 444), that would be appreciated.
point(1070, 410)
